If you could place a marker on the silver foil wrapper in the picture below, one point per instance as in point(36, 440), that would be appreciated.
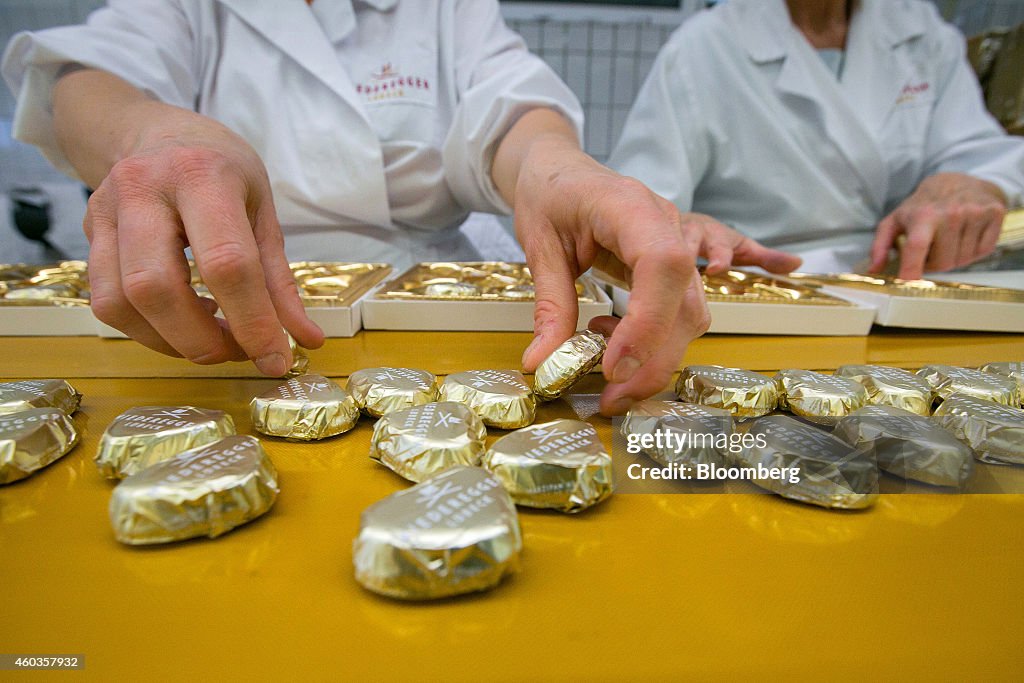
point(568, 364)
point(141, 437)
point(422, 441)
point(817, 397)
point(561, 465)
point(894, 387)
point(380, 391)
point(455, 533)
point(32, 439)
point(946, 380)
point(995, 432)
point(501, 398)
point(908, 445)
point(305, 408)
point(741, 392)
point(38, 393)
point(699, 434)
point(206, 491)
point(1012, 369)
point(832, 474)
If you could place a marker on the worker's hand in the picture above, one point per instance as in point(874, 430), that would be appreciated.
point(189, 181)
point(570, 213)
point(950, 221)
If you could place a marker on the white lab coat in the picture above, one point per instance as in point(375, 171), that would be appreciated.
point(377, 119)
point(741, 119)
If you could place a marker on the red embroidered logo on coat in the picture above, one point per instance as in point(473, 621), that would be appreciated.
point(388, 83)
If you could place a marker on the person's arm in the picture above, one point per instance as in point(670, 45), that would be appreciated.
point(570, 212)
point(167, 178)
point(973, 172)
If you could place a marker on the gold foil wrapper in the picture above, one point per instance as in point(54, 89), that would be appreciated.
point(380, 391)
point(471, 281)
point(832, 474)
point(32, 439)
point(891, 387)
point(38, 393)
point(323, 283)
point(422, 441)
point(921, 289)
point(205, 491)
point(305, 408)
point(141, 437)
point(995, 432)
point(946, 380)
point(300, 361)
point(569, 363)
point(702, 432)
point(1012, 369)
point(561, 465)
point(737, 286)
point(455, 533)
point(63, 284)
point(817, 397)
point(741, 392)
point(501, 398)
point(908, 445)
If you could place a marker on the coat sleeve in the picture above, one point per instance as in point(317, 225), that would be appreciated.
point(148, 43)
point(963, 136)
point(664, 142)
point(498, 81)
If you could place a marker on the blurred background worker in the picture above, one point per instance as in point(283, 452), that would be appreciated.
point(833, 127)
point(369, 130)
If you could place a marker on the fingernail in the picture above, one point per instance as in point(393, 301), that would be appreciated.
point(625, 369)
point(271, 364)
point(529, 349)
point(621, 405)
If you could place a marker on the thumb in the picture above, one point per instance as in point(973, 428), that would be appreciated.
point(752, 253)
point(556, 307)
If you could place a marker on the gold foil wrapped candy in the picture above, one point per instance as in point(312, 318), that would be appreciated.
point(32, 439)
point(830, 472)
point(422, 441)
point(569, 363)
point(741, 392)
point(38, 393)
point(379, 391)
point(561, 465)
point(683, 433)
point(300, 361)
point(501, 398)
point(995, 432)
point(206, 491)
point(908, 445)
point(946, 380)
point(818, 397)
point(305, 408)
point(891, 387)
point(141, 437)
point(1012, 369)
point(455, 533)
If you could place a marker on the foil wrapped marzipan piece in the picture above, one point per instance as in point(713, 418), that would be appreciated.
point(700, 434)
point(1012, 369)
point(501, 398)
point(428, 439)
point(300, 361)
point(817, 397)
point(205, 491)
point(830, 473)
point(908, 445)
point(568, 364)
point(141, 437)
point(470, 281)
point(379, 391)
point(741, 392)
point(946, 380)
point(560, 465)
point(995, 432)
point(457, 532)
point(306, 408)
point(38, 393)
point(894, 387)
point(32, 439)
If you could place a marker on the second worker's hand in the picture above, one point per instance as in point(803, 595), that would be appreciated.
point(182, 180)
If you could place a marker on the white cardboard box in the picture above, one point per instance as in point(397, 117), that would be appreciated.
point(47, 321)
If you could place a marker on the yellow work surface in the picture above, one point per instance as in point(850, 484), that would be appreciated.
point(642, 587)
